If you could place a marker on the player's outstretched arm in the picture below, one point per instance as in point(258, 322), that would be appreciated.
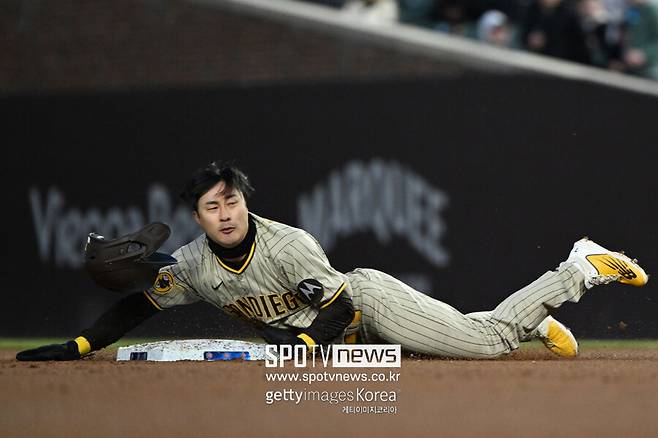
point(280, 336)
point(330, 323)
point(119, 319)
point(325, 328)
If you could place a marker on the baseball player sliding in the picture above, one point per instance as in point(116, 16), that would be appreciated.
point(277, 277)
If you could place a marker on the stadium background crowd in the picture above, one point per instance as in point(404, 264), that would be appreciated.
point(618, 35)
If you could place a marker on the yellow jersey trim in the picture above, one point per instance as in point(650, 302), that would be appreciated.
point(84, 347)
point(244, 265)
point(148, 297)
point(307, 339)
point(338, 292)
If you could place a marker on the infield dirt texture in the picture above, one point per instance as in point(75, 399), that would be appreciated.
point(606, 392)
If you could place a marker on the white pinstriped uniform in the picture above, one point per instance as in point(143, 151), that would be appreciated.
point(264, 288)
point(394, 312)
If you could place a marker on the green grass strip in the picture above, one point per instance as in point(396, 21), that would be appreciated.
point(26, 343)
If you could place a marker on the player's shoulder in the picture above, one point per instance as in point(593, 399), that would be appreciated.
point(192, 253)
point(268, 227)
point(277, 236)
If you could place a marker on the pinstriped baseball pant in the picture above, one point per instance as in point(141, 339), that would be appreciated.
point(393, 312)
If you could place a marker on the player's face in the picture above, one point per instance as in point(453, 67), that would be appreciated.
point(223, 215)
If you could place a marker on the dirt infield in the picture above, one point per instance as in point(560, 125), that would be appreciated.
point(603, 393)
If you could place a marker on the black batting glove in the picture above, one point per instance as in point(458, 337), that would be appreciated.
point(278, 336)
point(67, 351)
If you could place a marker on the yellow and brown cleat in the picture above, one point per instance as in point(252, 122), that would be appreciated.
point(602, 266)
point(556, 337)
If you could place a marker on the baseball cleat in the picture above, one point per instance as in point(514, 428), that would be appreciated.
point(602, 266)
point(556, 337)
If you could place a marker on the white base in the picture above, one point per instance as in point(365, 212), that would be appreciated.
point(193, 349)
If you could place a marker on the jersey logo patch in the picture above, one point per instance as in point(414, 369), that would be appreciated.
point(310, 291)
point(163, 283)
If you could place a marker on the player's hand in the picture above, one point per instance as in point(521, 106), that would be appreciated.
point(67, 351)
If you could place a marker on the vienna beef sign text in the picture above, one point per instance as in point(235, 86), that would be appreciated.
point(336, 356)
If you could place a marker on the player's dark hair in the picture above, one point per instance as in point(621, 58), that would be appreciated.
point(204, 178)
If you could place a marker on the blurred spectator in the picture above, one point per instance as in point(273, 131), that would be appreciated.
point(373, 11)
point(603, 46)
point(620, 35)
point(454, 17)
point(641, 52)
point(553, 28)
point(493, 27)
point(616, 12)
point(418, 12)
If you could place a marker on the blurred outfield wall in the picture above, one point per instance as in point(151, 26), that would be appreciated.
point(466, 182)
